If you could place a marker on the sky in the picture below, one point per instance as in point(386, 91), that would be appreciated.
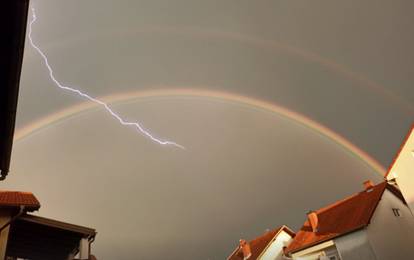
point(247, 88)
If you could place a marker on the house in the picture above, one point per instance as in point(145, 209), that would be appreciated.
point(375, 223)
point(26, 236)
point(268, 246)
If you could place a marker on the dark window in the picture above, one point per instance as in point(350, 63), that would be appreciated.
point(396, 212)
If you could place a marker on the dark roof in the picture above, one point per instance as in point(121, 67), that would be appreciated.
point(342, 217)
point(13, 17)
point(259, 244)
point(19, 198)
point(83, 231)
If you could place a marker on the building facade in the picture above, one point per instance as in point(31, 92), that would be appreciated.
point(375, 223)
point(27, 236)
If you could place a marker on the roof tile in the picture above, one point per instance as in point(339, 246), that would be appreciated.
point(19, 198)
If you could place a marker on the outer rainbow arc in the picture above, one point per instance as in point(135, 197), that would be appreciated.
point(182, 92)
point(307, 55)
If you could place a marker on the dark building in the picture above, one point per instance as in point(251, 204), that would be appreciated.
point(26, 236)
point(13, 18)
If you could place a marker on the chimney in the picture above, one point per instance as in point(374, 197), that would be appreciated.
point(313, 220)
point(245, 247)
point(368, 185)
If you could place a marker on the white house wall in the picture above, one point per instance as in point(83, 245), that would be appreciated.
point(355, 246)
point(391, 237)
point(403, 170)
point(275, 249)
point(314, 252)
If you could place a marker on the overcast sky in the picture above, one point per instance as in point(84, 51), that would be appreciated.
point(347, 65)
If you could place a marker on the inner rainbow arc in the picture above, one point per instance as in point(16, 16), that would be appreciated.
point(192, 92)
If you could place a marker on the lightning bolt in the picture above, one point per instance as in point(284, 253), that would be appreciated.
point(136, 125)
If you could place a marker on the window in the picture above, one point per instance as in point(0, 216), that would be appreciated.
point(396, 212)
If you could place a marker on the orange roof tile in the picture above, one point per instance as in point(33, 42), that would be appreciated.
point(259, 244)
point(342, 217)
point(18, 198)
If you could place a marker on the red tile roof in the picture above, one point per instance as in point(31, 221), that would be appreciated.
point(18, 198)
point(259, 244)
point(342, 217)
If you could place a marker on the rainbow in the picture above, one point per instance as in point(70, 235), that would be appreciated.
point(226, 96)
point(275, 46)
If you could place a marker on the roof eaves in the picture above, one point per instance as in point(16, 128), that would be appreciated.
point(60, 225)
point(376, 203)
point(233, 253)
point(325, 239)
point(396, 192)
point(288, 230)
point(27, 207)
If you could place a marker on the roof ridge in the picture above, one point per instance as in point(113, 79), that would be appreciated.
point(276, 230)
point(339, 202)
